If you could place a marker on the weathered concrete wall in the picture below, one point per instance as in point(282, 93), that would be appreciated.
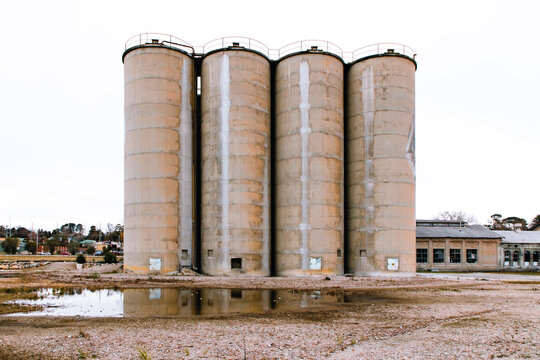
point(235, 156)
point(309, 165)
point(381, 166)
point(158, 209)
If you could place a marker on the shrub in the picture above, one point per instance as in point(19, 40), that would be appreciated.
point(80, 259)
point(11, 245)
point(110, 258)
point(91, 250)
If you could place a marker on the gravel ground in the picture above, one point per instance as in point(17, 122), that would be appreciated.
point(412, 318)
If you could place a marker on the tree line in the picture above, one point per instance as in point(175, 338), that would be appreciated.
point(68, 235)
point(496, 221)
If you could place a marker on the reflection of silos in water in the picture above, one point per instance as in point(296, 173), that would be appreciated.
point(151, 302)
point(309, 165)
point(159, 102)
point(235, 156)
point(303, 299)
point(225, 301)
point(381, 165)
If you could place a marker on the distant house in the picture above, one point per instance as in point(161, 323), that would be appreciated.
point(87, 243)
point(520, 249)
point(57, 249)
point(22, 245)
point(456, 246)
point(99, 245)
point(535, 227)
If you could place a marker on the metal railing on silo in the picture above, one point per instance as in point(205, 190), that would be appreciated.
point(306, 45)
point(380, 49)
point(158, 38)
point(273, 54)
point(234, 41)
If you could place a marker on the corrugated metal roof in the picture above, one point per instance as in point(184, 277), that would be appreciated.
point(464, 232)
point(520, 237)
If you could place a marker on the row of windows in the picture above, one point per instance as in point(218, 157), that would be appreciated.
point(526, 256)
point(438, 256)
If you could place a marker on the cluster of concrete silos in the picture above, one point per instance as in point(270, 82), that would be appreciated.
point(236, 163)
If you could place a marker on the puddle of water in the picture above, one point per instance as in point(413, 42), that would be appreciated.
point(87, 303)
point(173, 302)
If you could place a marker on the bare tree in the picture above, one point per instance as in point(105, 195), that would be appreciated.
point(456, 215)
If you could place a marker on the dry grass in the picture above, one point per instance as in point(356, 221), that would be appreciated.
point(20, 293)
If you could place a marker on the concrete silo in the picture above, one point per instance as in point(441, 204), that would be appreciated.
point(158, 185)
point(381, 165)
point(235, 162)
point(309, 150)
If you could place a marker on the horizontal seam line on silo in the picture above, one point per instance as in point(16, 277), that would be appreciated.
point(365, 158)
point(153, 203)
point(378, 134)
point(279, 159)
point(382, 182)
point(208, 133)
point(287, 89)
point(174, 155)
point(175, 81)
point(172, 177)
point(329, 108)
point(339, 136)
point(241, 157)
point(169, 104)
point(310, 181)
point(376, 111)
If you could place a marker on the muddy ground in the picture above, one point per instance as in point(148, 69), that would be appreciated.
point(408, 318)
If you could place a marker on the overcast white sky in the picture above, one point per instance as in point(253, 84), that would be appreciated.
point(61, 94)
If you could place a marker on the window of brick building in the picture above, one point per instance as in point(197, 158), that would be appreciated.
point(438, 256)
point(455, 256)
point(472, 256)
point(421, 255)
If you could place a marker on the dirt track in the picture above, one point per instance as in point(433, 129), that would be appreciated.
point(416, 318)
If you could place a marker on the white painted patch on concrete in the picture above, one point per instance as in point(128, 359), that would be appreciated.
point(304, 134)
point(266, 215)
point(393, 264)
point(368, 103)
point(154, 264)
point(154, 294)
point(410, 149)
point(315, 263)
point(185, 172)
point(224, 111)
